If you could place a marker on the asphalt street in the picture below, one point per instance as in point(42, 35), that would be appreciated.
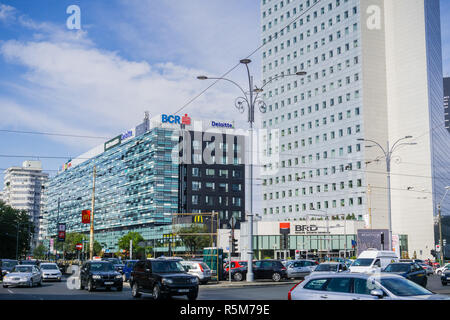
point(61, 291)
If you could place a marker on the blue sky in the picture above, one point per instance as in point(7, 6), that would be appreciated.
point(129, 56)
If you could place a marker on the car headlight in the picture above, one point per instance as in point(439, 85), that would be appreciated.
point(96, 276)
point(166, 281)
point(118, 276)
point(194, 280)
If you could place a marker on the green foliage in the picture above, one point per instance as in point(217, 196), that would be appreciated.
point(14, 223)
point(39, 252)
point(136, 237)
point(194, 243)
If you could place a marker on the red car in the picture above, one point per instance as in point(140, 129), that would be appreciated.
point(236, 264)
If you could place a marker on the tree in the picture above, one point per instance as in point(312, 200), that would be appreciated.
point(194, 242)
point(39, 252)
point(136, 237)
point(14, 224)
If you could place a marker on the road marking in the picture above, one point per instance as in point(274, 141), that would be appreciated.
point(10, 291)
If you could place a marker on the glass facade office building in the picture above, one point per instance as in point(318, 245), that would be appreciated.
point(136, 189)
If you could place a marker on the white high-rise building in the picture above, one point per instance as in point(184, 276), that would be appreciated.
point(23, 188)
point(374, 71)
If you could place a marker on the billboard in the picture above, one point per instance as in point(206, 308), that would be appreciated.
point(372, 238)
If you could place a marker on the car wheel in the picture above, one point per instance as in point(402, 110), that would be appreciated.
point(237, 276)
point(444, 283)
point(81, 286)
point(192, 297)
point(40, 283)
point(276, 277)
point(31, 283)
point(90, 286)
point(439, 272)
point(135, 290)
point(119, 288)
point(156, 292)
point(5, 286)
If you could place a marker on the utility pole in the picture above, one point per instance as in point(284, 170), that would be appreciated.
point(369, 191)
point(441, 253)
point(91, 244)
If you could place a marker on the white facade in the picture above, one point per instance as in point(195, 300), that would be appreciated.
point(23, 189)
point(371, 70)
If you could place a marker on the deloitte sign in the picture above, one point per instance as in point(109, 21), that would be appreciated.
point(222, 124)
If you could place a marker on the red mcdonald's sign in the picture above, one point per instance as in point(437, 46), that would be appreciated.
point(86, 216)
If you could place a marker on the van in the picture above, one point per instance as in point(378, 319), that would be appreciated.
point(373, 260)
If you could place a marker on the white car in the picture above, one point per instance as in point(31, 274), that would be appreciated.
point(23, 275)
point(50, 271)
point(198, 269)
point(360, 286)
point(441, 270)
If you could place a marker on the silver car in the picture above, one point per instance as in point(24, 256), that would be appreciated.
point(330, 267)
point(198, 269)
point(23, 275)
point(50, 271)
point(300, 268)
point(360, 286)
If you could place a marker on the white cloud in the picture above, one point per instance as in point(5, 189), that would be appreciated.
point(6, 12)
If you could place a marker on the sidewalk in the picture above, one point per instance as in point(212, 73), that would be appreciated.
point(237, 284)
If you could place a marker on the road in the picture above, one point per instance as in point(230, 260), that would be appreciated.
point(60, 291)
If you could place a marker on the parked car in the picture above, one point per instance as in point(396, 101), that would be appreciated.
point(263, 269)
point(235, 264)
point(50, 271)
point(162, 278)
point(441, 270)
point(6, 265)
point(373, 261)
point(445, 277)
point(96, 274)
point(128, 267)
point(429, 269)
point(300, 268)
point(23, 275)
point(199, 269)
point(29, 262)
point(360, 286)
point(409, 270)
point(330, 267)
point(118, 264)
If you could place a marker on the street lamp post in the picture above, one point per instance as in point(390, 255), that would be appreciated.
point(388, 156)
point(91, 236)
point(440, 226)
point(250, 99)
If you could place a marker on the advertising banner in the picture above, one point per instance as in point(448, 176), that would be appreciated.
point(86, 216)
point(372, 238)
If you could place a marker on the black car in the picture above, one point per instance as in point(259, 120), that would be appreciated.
point(410, 270)
point(100, 274)
point(6, 265)
point(445, 278)
point(263, 269)
point(118, 264)
point(162, 278)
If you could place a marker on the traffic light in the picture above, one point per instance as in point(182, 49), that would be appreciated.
point(382, 238)
point(433, 253)
point(234, 246)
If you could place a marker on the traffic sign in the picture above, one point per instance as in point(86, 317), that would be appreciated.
point(438, 248)
point(79, 246)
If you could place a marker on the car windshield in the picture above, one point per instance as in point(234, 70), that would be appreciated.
point(397, 268)
point(362, 263)
point(8, 264)
point(402, 287)
point(22, 269)
point(115, 261)
point(49, 267)
point(28, 262)
point(167, 267)
point(327, 267)
point(102, 267)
